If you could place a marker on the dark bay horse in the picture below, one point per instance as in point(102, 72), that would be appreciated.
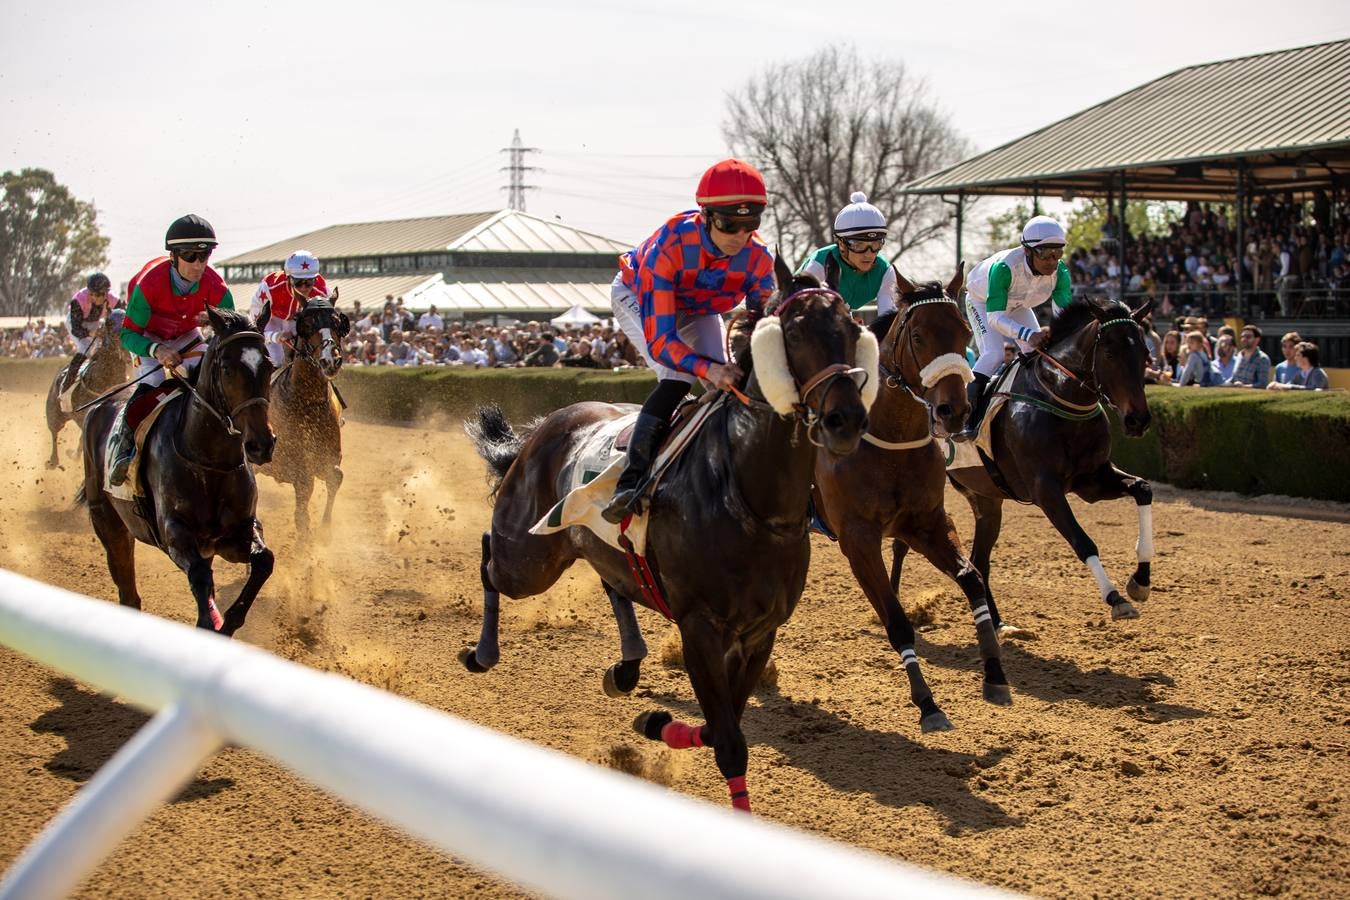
point(728, 522)
point(1051, 438)
point(200, 494)
point(306, 416)
point(107, 369)
point(893, 486)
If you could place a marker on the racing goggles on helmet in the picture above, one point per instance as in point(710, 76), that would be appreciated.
point(733, 224)
point(1047, 251)
point(864, 242)
point(194, 256)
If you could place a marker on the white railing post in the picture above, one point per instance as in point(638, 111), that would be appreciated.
point(147, 772)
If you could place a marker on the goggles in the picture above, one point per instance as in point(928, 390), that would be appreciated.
point(1050, 251)
point(733, 224)
point(864, 243)
point(194, 256)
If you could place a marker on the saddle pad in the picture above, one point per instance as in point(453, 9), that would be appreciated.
point(130, 489)
point(966, 455)
point(66, 400)
point(595, 473)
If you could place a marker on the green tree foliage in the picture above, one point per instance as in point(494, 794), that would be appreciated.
point(48, 238)
point(822, 127)
point(1142, 218)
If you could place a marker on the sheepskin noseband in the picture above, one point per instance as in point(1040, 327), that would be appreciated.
point(944, 365)
point(775, 378)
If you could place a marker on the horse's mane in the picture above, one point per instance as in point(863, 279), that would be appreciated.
point(235, 321)
point(927, 290)
point(1078, 314)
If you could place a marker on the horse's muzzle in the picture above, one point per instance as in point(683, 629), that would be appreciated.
point(1136, 423)
point(842, 429)
point(259, 450)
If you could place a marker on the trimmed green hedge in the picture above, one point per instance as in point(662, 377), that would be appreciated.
point(1253, 442)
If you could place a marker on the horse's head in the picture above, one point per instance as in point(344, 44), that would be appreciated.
point(236, 378)
point(924, 345)
point(813, 361)
point(319, 329)
point(1108, 355)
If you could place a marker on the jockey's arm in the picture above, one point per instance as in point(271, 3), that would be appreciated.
point(262, 295)
point(1063, 292)
point(660, 326)
point(75, 320)
point(1000, 281)
point(133, 337)
point(886, 293)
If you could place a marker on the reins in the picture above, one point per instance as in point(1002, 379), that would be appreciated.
point(1089, 410)
point(207, 364)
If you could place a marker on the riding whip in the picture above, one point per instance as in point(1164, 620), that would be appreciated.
point(108, 393)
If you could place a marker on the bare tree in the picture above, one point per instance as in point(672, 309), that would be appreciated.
point(825, 126)
point(48, 238)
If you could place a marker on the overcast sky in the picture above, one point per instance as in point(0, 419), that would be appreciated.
point(273, 119)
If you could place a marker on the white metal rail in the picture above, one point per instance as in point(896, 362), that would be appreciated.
point(539, 818)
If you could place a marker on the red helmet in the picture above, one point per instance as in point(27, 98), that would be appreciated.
point(734, 187)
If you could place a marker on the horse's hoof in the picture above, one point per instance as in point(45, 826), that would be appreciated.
point(1120, 607)
point(1007, 630)
point(620, 679)
point(469, 656)
point(1138, 592)
point(937, 721)
point(650, 723)
point(998, 694)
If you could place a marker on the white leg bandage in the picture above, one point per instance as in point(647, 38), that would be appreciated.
point(1103, 583)
point(1144, 547)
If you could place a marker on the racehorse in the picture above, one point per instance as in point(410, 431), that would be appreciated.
point(107, 367)
point(1051, 438)
point(306, 416)
point(200, 497)
point(893, 486)
point(727, 532)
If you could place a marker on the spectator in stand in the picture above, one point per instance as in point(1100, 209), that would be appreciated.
point(1225, 358)
point(1253, 366)
point(400, 352)
point(430, 319)
point(583, 358)
point(1169, 361)
point(470, 354)
point(1287, 371)
point(1313, 378)
point(504, 350)
point(545, 355)
point(1152, 343)
point(1196, 371)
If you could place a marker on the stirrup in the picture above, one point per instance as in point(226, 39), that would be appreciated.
point(622, 505)
point(965, 435)
point(117, 475)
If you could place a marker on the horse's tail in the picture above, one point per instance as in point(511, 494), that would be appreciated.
point(81, 498)
point(495, 441)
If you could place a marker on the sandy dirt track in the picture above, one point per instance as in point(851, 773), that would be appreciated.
point(1199, 751)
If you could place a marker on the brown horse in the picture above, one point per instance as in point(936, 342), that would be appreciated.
point(893, 486)
point(1051, 439)
point(107, 368)
point(727, 531)
point(200, 498)
point(306, 415)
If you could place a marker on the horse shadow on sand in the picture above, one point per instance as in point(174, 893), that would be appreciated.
point(1054, 679)
point(896, 771)
point(95, 727)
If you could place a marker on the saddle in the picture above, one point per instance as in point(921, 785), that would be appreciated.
point(979, 453)
point(140, 415)
point(66, 400)
point(682, 417)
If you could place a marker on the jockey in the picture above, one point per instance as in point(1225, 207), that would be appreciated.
point(851, 265)
point(669, 297)
point(88, 305)
point(161, 322)
point(287, 290)
point(1002, 294)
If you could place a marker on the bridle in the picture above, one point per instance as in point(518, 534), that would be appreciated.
point(209, 364)
point(1091, 383)
point(821, 381)
point(928, 375)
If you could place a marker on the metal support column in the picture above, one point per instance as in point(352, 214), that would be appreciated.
point(1120, 238)
point(960, 222)
point(1239, 267)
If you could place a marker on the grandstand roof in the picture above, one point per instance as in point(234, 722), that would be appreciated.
point(504, 231)
point(1285, 115)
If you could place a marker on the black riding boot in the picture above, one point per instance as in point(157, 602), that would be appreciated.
point(642, 446)
point(72, 371)
point(978, 396)
point(123, 444)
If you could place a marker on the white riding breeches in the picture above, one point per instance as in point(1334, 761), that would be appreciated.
point(273, 333)
point(82, 345)
point(154, 372)
point(707, 335)
point(989, 341)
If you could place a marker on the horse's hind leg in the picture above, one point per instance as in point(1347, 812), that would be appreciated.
point(861, 544)
point(942, 547)
point(484, 655)
point(988, 524)
point(332, 481)
point(120, 548)
point(260, 563)
point(899, 549)
point(1050, 497)
point(622, 677)
point(304, 489)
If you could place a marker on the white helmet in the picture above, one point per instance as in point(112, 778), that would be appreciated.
point(302, 264)
point(859, 217)
point(1043, 230)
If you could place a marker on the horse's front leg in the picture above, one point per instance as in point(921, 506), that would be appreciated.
point(260, 563)
point(484, 654)
point(1050, 497)
point(332, 481)
point(1110, 483)
point(622, 677)
point(705, 660)
point(180, 542)
point(304, 489)
point(861, 543)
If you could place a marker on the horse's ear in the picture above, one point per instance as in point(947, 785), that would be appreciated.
point(265, 315)
point(1143, 311)
point(344, 324)
point(781, 273)
point(333, 296)
point(958, 281)
point(214, 319)
point(903, 285)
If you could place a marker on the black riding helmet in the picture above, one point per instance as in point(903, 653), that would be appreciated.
point(191, 232)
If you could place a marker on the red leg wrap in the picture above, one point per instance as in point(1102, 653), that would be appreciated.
point(740, 797)
point(217, 619)
point(679, 736)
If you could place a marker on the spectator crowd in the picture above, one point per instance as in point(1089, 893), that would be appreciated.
point(1187, 356)
point(37, 340)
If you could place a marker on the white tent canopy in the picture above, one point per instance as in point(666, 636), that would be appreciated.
point(575, 316)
